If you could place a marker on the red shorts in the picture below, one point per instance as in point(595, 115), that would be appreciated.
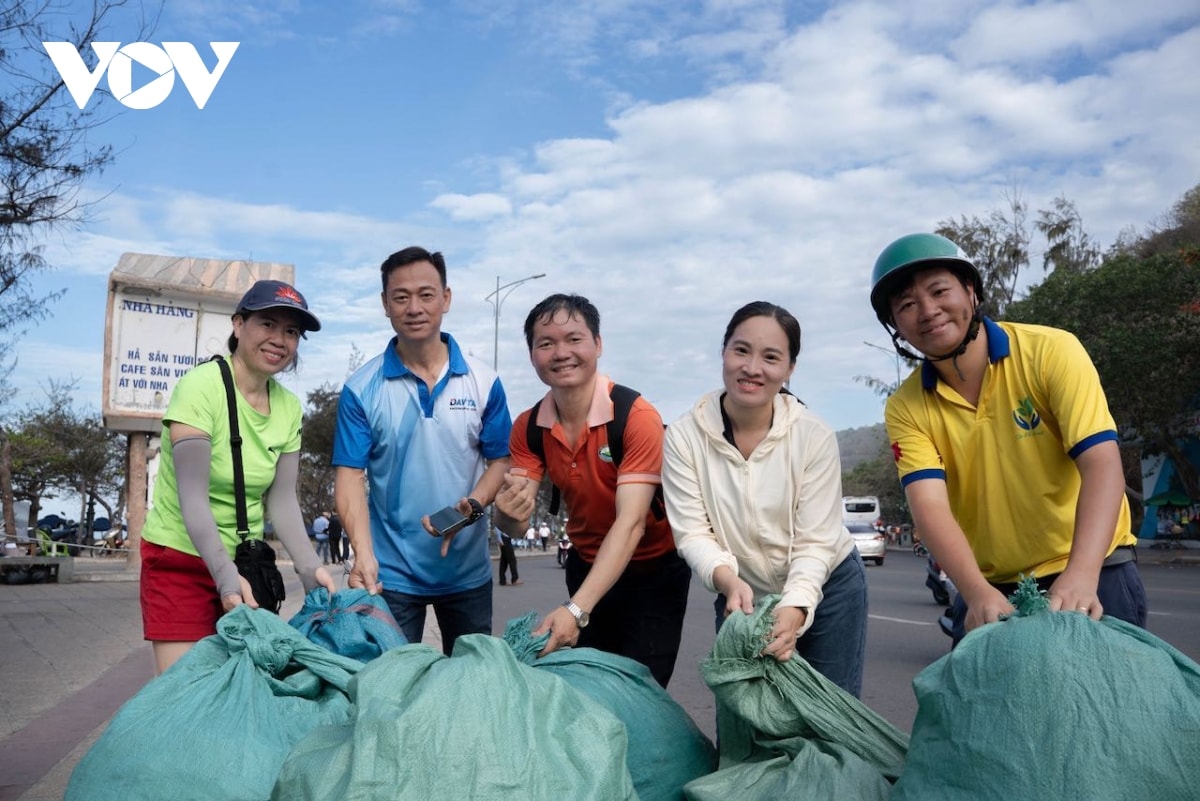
point(179, 597)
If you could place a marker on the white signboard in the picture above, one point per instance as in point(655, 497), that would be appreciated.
point(155, 339)
point(159, 329)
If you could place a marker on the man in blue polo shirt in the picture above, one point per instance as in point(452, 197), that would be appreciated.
point(430, 428)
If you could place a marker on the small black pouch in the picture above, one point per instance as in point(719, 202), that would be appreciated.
point(255, 561)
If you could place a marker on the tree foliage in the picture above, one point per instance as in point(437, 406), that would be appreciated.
point(999, 246)
point(56, 448)
point(46, 152)
point(46, 155)
point(1068, 246)
point(315, 485)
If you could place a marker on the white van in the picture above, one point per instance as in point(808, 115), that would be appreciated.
point(860, 509)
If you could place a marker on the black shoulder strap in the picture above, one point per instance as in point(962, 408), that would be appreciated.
point(235, 444)
point(622, 398)
point(533, 439)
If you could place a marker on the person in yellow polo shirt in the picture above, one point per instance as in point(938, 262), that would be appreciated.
point(1004, 444)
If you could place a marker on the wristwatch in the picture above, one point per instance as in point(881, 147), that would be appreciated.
point(581, 617)
point(476, 509)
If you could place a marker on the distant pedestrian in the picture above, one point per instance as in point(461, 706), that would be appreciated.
point(336, 552)
point(508, 558)
point(320, 529)
point(544, 535)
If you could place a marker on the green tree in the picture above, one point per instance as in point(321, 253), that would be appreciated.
point(315, 484)
point(999, 246)
point(55, 448)
point(1068, 246)
point(47, 152)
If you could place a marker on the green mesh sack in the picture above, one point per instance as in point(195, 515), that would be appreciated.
point(666, 748)
point(787, 731)
point(1055, 705)
point(219, 724)
point(475, 725)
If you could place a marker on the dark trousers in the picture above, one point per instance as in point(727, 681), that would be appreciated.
point(335, 547)
point(508, 559)
point(641, 617)
point(459, 613)
point(1120, 591)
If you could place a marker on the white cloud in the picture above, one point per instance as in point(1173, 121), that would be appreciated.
point(473, 208)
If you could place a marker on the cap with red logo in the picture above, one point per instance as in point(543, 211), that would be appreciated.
point(267, 294)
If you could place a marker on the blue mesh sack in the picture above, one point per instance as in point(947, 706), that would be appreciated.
point(477, 724)
point(785, 730)
point(1055, 705)
point(666, 748)
point(351, 623)
point(220, 722)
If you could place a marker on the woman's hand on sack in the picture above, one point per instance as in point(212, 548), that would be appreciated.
point(230, 602)
point(325, 580)
point(564, 631)
point(365, 573)
point(782, 637)
point(739, 598)
point(738, 595)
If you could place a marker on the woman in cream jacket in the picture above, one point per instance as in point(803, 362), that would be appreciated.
point(752, 482)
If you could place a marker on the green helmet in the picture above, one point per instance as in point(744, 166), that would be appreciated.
point(917, 251)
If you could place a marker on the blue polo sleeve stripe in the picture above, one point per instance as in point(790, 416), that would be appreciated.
point(921, 475)
point(497, 423)
point(352, 433)
point(1094, 439)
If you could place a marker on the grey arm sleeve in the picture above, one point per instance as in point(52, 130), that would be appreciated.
point(284, 508)
point(193, 457)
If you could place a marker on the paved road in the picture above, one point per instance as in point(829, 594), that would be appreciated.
point(71, 654)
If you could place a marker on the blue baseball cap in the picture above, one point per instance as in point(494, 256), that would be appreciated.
point(267, 294)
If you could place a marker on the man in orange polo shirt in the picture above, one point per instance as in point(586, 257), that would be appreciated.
point(627, 587)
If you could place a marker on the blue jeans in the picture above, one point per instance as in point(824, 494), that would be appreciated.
point(1120, 591)
point(836, 643)
point(467, 612)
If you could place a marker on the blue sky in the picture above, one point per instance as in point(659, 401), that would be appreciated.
point(669, 161)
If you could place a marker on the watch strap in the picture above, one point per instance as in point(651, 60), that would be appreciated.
point(476, 509)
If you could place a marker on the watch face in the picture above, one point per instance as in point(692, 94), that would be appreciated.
point(583, 619)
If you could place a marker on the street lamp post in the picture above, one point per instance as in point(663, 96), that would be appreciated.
point(496, 299)
point(891, 353)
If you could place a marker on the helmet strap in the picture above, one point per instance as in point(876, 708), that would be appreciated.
point(972, 333)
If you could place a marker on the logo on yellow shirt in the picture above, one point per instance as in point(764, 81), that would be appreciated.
point(1025, 416)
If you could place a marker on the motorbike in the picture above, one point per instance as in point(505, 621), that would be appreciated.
point(564, 547)
point(938, 582)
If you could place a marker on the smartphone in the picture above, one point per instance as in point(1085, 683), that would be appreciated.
point(448, 521)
